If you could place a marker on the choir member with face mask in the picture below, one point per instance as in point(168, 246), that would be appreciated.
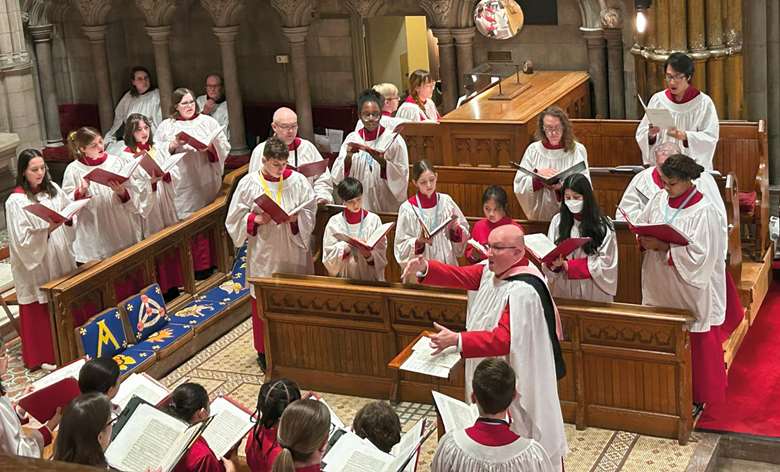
point(555, 150)
point(419, 106)
point(213, 103)
point(143, 97)
point(495, 207)
point(590, 272)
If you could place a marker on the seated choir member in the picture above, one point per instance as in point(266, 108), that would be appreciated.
point(262, 446)
point(555, 150)
point(339, 257)
point(433, 208)
point(272, 247)
point(142, 97)
point(490, 445)
point(213, 102)
point(590, 272)
point(13, 440)
point(385, 177)
point(419, 106)
point(39, 252)
point(495, 206)
point(695, 117)
point(100, 375)
point(688, 277)
point(378, 423)
point(85, 431)
point(302, 151)
point(190, 403)
point(303, 436)
point(390, 93)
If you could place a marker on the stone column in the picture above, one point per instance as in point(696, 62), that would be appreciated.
point(226, 37)
point(617, 103)
point(447, 68)
point(597, 69)
point(773, 102)
point(97, 40)
point(755, 22)
point(296, 35)
point(41, 35)
point(464, 47)
point(162, 60)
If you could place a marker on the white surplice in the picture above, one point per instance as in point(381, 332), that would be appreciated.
point(37, 256)
point(13, 439)
point(457, 452)
point(199, 179)
point(408, 229)
point(603, 268)
point(105, 225)
point(305, 153)
point(380, 194)
point(155, 203)
point(147, 104)
point(698, 118)
point(355, 265)
point(410, 111)
point(275, 248)
point(542, 204)
point(220, 113)
point(697, 271)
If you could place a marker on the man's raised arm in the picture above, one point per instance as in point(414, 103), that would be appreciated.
point(442, 275)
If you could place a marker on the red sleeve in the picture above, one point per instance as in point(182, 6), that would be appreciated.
point(685, 143)
point(77, 195)
point(419, 248)
point(154, 186)
point(46, 435)
point(537, 184)
point(488, 343)
point(472, 255)
point(347, 166)
point(125, 197)
point(456, 235)
point(443, 275)
point(251, 226)
point(212, 154)
point(294, 227)
point(578, 269)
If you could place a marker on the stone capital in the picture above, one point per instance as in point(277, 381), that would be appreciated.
point(159, 34)
point(157, 12)
point(438, 11)
point(41, 33)
point(224, 12)
point(295, 12)
point(226, 34)
point(593, 36)
point(443, 35)
point(93, 12)
point(614, 36)
point(365, 8)
point(95, 33)
point(610, 18)
point(295, 34)
point(463, 35)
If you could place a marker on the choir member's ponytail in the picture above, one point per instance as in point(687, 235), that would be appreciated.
point(21, 180)
point(272, 399)
point(303, 430)
point(593, 223)
point(131, 126)
point(682, 167)
point(417, 79)
point(567, 136)
point(420, 167)
point(79, 139)
point(187, 399)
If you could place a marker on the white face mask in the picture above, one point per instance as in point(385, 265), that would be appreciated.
point(575, 206)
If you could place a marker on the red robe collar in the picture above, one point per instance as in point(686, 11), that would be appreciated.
point(371, 135)
point(491, 434)
point(18, 190)
point(386, 113)
point(295, 144)
point(503, 221)
point(138, 148)
point(547, 145)
point(425, 202)
point(285, 174)
point(690, 93)
point(180, 118)
point(93, 162)
point(309, 468)
point(354, 218)
point(676, 202)
point(657, 178)
point(33, 191)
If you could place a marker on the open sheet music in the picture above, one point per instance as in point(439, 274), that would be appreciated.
point(431, 232)
point(559, 177)
point(370, 243)
point(142, 386)
point(199, 143)
point(154, 169)
point(106, 177)
point(54, 391)
point(311, 170)
point(422, 360)
point(53, 216)
point(544, 250)
point(455, 414)
point(277, 213)
point(667, 233)
point(230, 425)
point(660, 117)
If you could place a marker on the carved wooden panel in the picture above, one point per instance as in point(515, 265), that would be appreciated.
point(322, 303)
point(629, 334)
point(411, 311)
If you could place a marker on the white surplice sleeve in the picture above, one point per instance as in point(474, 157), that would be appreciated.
point(603, 266)
point(379, 253)
point(323, 185)
point(165, 134)
point(695, 262)
point(120, 114)
point(523, 184)
point(397, 157)
point(333, 250)
point(27, 233)
point(452, 208)
point(238, 211)
point(222, 147)
point(307, 215)
point(337, 171)
point(643, 133)
point(407, 230)
point(631, 202)
point(703, 140)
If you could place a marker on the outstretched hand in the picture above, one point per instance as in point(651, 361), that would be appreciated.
point(443, 339)
point(418, 264)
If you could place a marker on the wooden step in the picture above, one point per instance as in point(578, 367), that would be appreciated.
point(754, 284)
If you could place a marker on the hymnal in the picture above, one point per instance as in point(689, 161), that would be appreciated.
point(154, 169)
point(370, 243)
point(429, 233)
point(232, 421)
point(455, 414)
point(663, 232)
point(55, 390)
point(423, 361)
point(660, 117)
point(106, 177)
point(53, 216)
point(277, 213)
point(142, 386)
point(544, 250)
point(200, 145)
point(311, 170)
point(478, 247)
point(552, 180)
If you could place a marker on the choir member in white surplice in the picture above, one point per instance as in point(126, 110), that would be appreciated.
point(490, 445)
point(685, 276)
point(590, 272)
point(495, 206)
point(433, 208)
point(339, 257)
point(510, 314)
point(695, 117)
point(272, 247)
point(144, 98)
point(40, 252)
point(385, 174)
point(213, 103)
point(302, 151)
point(111, 220)
point(418, 106)
point(555, 150)
point(390, 93)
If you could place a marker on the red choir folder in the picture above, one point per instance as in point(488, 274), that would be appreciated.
point(371, 242)
point(312, 170)
point(276, 212)
point(154, 169)
point(52, 391)
point(53, 216)
point(545, 251)
point(106, 177)
point(197, 143)
point(664, 232)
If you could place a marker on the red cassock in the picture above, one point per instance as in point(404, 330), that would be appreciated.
point(37, 345)
point(199, 459)
point(261, 452)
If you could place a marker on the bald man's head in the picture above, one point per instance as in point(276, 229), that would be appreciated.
point(507, 247)
point(285, 125)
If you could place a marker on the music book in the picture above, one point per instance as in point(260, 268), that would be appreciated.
point(455, 414)
point(374, 152)
point(53, 216)
point(154, 169)
point(152, 439)
point(142, 386)
point(423, 361)
point(478, 247)
point(54, 390)
point(544, 250)
point(277, 213)
point(105, 177)
point(560, 176)
point(429, 233)
point(664, 232)
point(626, 169)
point(370, 243)
point(232, 421)
point(660, 117)
point(311, 170)
point(200, 145)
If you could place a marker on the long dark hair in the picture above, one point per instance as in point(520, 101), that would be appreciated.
point(272, 400)
point(98, 375)
point(83, 420)
point(21, 167)
point(186, 400)
point(133, 90)
point(498, 195)
point(593, 224)
point(131, 126)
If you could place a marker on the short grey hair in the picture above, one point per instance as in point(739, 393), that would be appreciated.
point(669, 148)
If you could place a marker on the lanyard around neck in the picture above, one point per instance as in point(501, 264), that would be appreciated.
point(678, 210)
point(435, 213)
point(267, 190)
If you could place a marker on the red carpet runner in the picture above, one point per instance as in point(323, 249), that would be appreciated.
point(752, 403)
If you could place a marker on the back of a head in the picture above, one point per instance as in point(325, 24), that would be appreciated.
point(303, 430)
point(187, 399)
point(98, 375)
point(276, 149)
point(493, 385)
point(420, 167)
point(82, 421)
point(386, 89)
point(349, 188)
point(273, 398)
point(378, 422)
point(681, 167)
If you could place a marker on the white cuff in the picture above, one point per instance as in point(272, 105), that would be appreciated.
point(460, 344)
